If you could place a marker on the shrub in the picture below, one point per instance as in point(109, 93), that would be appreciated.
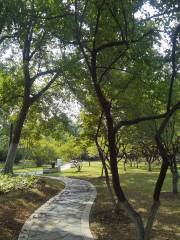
point(10, 183)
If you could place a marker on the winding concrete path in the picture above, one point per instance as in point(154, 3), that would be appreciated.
point(63, 217)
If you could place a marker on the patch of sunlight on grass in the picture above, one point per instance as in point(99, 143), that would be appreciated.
point(142, 210)
point(138, 185)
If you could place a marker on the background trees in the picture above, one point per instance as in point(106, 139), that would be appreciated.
point(37, 67)
point(125, 69)
point(106, 54)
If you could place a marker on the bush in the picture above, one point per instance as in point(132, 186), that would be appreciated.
point(10, 183)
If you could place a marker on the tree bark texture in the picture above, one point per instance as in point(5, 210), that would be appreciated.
point(175, 176)
point(8, 167)
point(151, 218)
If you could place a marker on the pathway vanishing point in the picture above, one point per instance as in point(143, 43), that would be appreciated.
point(63, 217)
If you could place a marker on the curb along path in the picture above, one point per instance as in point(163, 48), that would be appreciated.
point(63, 217)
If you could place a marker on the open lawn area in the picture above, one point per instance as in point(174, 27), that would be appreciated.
point(138, 185)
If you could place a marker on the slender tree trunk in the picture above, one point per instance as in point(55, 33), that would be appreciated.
point(105, 170)
point(8, 167)
point(175, 180)
point(156, 196)
point(111, 136)
point(137, 165)
point(130, 163)
point(10, 133)
point(102, 171)
point(135, 218)
point(175, 176)
point(151, 218)
point(124, 165)
point(149, 166)
point(131, 213)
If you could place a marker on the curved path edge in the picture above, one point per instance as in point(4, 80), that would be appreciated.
point(84, 222)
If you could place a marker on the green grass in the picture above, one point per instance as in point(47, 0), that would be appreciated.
point(26, 170)
point(138, 185)
point(25, 166)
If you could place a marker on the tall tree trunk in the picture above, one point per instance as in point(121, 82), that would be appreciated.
point(151, 218)
point(105, 170)
point(130, 162)
point(175, 180)
point(149, 166)
point(156, 196)
point(102, 171)
point(8, 167)
point(137, 164)
point(111, 136)
point(124, 204)
point(175, 176)
point(135, 218)
point(10, 133)
point(124, 165)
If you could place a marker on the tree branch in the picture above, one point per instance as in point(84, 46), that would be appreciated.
point(167, 117)
point(123, 42)
point(173, 59)
point(44, 89)
point(97, 23)
point(158, 15)
point(79, 38)
point(111, 64)
point(40, 74)
point(38, 47)
point(137, 120)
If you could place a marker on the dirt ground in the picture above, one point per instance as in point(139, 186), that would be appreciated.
point(16, 207)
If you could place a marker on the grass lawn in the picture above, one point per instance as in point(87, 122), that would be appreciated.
point(16, 206)
point(138, 185)
point(25, 166)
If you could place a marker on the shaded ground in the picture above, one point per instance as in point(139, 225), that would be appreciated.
point(16, 207)
point(138, 185)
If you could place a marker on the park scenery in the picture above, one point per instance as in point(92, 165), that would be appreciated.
point(89, 120)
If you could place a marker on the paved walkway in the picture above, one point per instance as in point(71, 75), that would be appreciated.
point(40, 172)
point(63, 217)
